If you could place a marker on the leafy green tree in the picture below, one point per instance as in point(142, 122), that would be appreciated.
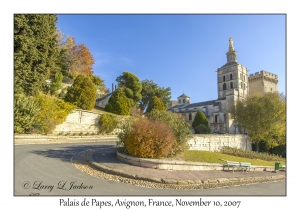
point(131, 85)
point(82, 93)
point(118, 103)
point(107, 123)
point(36, 53)
point(155, 104)
point(150, 89)
point(26, 111)
point(56, 84)
point(263, 117)
point(200, 119)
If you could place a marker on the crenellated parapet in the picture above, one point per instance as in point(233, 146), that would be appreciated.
point(263, 75)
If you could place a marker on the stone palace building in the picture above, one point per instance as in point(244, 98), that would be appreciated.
point(233, 83)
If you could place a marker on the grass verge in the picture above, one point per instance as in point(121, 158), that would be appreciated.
point(214, 157)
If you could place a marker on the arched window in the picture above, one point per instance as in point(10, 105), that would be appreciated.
point(230, 76)
point(241, 85)
point(223, 78)
point(231, 85)
point(224, 86)
point(216, 118)
point(190, 117)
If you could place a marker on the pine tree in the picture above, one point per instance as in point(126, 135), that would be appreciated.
point(155, 104)
point(118, 103)
point(82, 93)
point(36, 52)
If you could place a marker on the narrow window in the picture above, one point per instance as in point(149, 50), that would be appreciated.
point(241, 75)
point(244, 86)
point(190, 116)
point(230, 76)
point(223, 78)
point(179, 101)
point(244, 78)
point(224, 86)
point(216, 118)
point(231, 85)
point(225, 118)
point(241, 85)
point(183, 100)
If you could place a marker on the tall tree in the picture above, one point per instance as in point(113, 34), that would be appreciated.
point(35, 52)
point(200, 119)
point(131, 85)
point(150, 89)
point(82, 93)
point(263, 117)
point(79, 58)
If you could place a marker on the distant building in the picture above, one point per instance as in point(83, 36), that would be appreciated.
point(233, 84)
point(103, 100)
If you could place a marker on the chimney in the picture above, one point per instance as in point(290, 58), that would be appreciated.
point(112, 87)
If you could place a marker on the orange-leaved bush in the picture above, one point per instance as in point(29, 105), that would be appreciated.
point(149, 139)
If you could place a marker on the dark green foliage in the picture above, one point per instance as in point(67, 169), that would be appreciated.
point(118, 103)
point(249, 154)
point(155, 104)
point(36, 53)
point(107, 123)
point(131, 85)
point(200, 119)
point(150, 89)
point(26, 111)
point(82, 93)
point(149, 139)
point(180, 127)
point(202, 129)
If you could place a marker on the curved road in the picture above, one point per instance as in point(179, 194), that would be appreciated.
point(46, 169)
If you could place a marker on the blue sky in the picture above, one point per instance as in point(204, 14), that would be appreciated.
point(182, 52)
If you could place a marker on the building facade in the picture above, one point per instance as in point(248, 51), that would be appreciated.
point(233, 84)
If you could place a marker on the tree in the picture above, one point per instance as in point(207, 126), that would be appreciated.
point(36, 52)
point(155, 104)
point(56, 84)
point(150, 89)
point(200, 119)
point(263, 117)
point(131, 86)
point(118, 103)
point(82, 93)
point(78, 58)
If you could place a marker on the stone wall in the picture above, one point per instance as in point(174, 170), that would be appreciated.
point(79, 121)
point(214, 142)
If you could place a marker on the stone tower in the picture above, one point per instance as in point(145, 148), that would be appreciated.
point(263, 82)
point(232, 78)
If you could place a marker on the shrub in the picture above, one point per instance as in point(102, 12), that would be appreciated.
point(202, 129)
point(149, 139)
point(53, 112)
point(26, 110)
point(107, 123)
point(200, 118)
point(180, 128)
point(249, 154)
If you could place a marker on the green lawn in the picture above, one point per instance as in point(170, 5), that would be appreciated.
point(214, 157)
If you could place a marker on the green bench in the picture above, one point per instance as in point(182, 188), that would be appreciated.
point(247, 166)
point(231, 164)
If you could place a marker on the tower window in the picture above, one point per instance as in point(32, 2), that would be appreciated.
point(241, 75)
point(216, 118)
point(231, 85)
point(190, 116)
point(223, 78)
point(241, 85)
point(224, 86)
point(244, 78)
point(179, 101)
point(230, 76)
point(244, 86)
point(183, 100)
